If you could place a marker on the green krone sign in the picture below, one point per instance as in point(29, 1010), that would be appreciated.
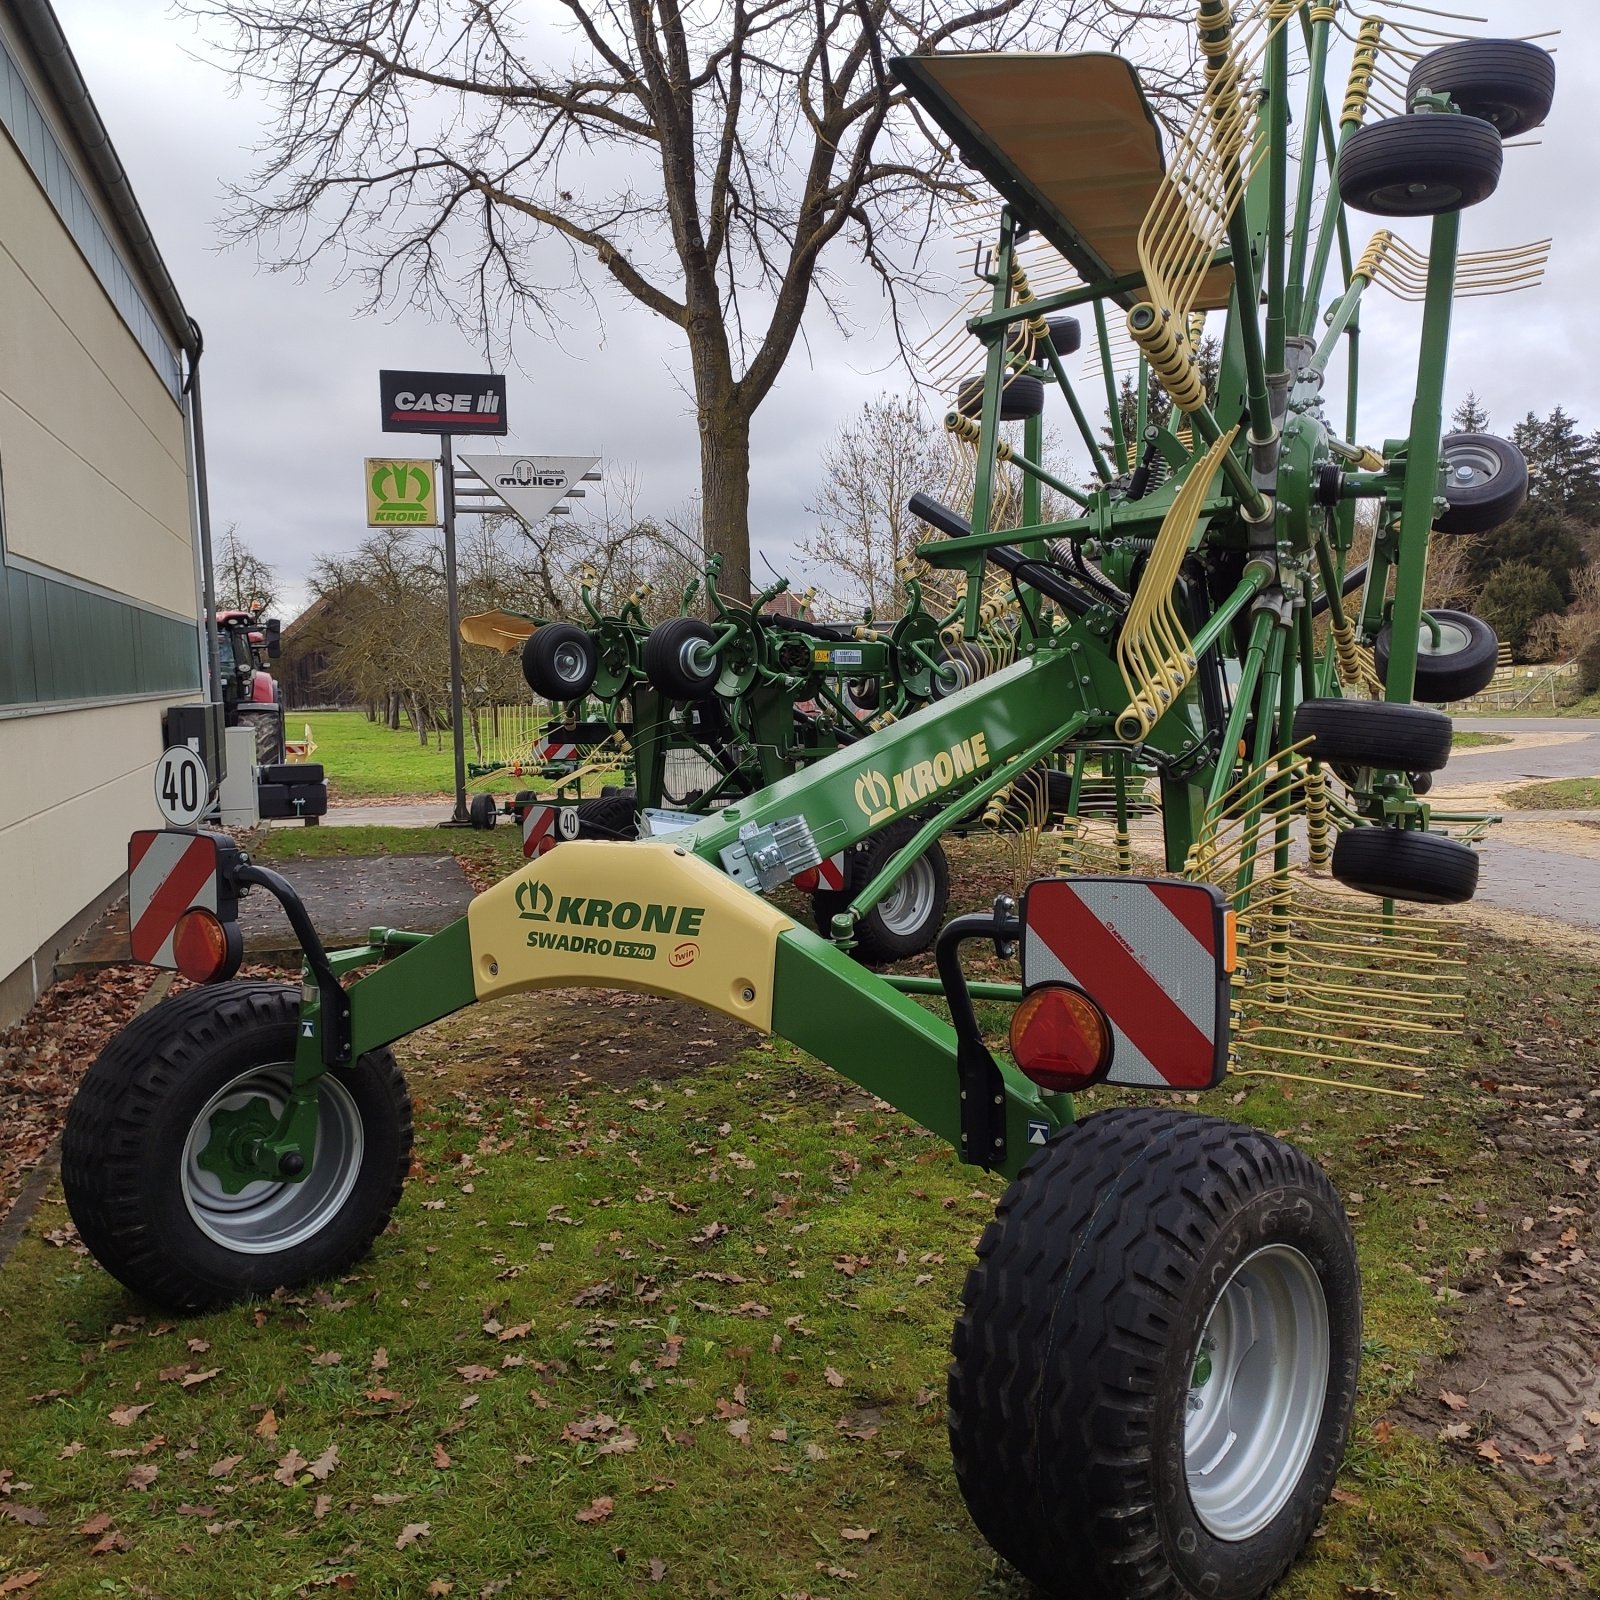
point(402, 493)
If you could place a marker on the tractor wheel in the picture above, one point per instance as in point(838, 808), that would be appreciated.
point(1066, 334)
point(1486, 481)
point(1419, 166)
point(483, 812)
point(907, 920)
point(612, 816)
point(163, 1093)
point(677, 661)
point(1459, 666)
point(559, 661)
point(1402, 864)
point(1020, 398)
point(1508, 83)
point(1374, 733)
point(1155, 1368)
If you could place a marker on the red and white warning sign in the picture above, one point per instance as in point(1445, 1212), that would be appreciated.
point(168, 873)
point(1154, 955)
point(555, 750)
point(545, 826)
point(827, 874)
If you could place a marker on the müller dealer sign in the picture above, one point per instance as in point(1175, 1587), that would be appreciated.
point(443, 402)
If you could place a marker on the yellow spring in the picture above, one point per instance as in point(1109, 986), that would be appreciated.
point(1069, 856)
point(1321, 850)
point(1356, 670)
point(1362, 70)
point(1372, 258)
point(1324, 10)
point(1171, 361)
point(1282, 10)
point(1124, 851)
point(966, 429)
point(994, 814)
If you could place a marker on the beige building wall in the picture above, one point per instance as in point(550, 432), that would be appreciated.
point(92, 451)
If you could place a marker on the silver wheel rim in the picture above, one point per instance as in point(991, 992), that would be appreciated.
point(907, 907)
point(1453, 639)
point(696, 658)
point(266, 1217)
point(1257, 1386)
point(1470, 466)
point(570, 662)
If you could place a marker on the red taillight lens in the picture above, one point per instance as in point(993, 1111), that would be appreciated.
point(206, 949)
point(1060, 1038)
point(807, 880)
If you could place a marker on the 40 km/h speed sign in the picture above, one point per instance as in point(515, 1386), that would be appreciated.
point(183, 786)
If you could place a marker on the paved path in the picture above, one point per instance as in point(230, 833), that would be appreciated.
point(1556, 747)
point(420, 814)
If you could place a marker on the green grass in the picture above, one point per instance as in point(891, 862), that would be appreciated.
point(1588, 706)
point(364, 760)
point(1477, 741)
point(756, 1243)
point(1564, 794)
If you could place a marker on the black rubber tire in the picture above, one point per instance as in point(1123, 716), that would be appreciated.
point(970, 664)
point(1403, 864)
point(866, 694)
point(665, 664)
point(1507, 83)
point(1076, 1352)
point(1419, 166)
point(1374, 733)
point(293, 772)
point(1464, 666)
point(122, 1154)
point(882, 938)
point(1495, 490)
point(482, 811)
point(1066, 334)
point(1021, 397)
point(1421, 782)
point(612, 816)
point(559, 661)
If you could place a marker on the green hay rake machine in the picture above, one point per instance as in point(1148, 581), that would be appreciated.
point(1154, 1370)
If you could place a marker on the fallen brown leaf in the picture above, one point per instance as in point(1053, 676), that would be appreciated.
point(126, 1416)
point(861, 1535)
point(832, 1378)
point(222, 1467)
point(290, 1467)
point(267, 1427)
point(411, 1533)
point(597, 1510)
point(21, 1580)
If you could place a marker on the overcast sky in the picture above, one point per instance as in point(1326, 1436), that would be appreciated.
point(290, 370)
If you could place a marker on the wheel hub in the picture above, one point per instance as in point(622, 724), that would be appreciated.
point(1257, 1388)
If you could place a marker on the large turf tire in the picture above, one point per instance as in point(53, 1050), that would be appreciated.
point(160, 1223)
point(1403, 864)
point(676, 660)
point(1081, 1406)
point(1463, 662)
point(1419, 166)
point(908, 919)
point(1375, 733)
point(559, 661)
point(612, 816)
point(1508, 83)
point(1485, 482)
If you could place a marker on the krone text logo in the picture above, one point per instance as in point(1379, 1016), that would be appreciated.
point(879, 796)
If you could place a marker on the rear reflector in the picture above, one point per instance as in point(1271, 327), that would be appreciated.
point(206, 949)
point(1060, 1038)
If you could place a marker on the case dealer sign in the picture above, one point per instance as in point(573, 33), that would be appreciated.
point(442, 402)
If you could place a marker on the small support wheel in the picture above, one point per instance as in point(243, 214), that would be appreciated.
point(1404, 864)
point(559, 661)
point(1375, 733)
point(1460, 664)
point(144, 1156)
point(1155, 1366)
point(1021, 397)
point(483, 812)
point(1508, 83)
point(907, 920)
point(1485, 482)
point(678, 659)
point(1419, 166)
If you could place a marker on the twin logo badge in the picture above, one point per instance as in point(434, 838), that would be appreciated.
point(881, 795)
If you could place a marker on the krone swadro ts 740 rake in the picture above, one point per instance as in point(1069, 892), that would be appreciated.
point(1155, 1365)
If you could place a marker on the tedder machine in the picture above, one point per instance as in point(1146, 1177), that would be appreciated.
point(1154, 1368)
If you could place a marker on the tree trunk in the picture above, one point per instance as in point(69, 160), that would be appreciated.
point(725, 495)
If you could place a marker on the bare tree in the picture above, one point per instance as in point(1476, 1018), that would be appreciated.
point(873, 465)
point(705, 159)
point(241, 575)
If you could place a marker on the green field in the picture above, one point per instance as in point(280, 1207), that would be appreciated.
point(364, 760)
point(1559, 794)
point(1477, 741)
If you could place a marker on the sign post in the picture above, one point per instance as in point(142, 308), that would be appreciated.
point(445, 403)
